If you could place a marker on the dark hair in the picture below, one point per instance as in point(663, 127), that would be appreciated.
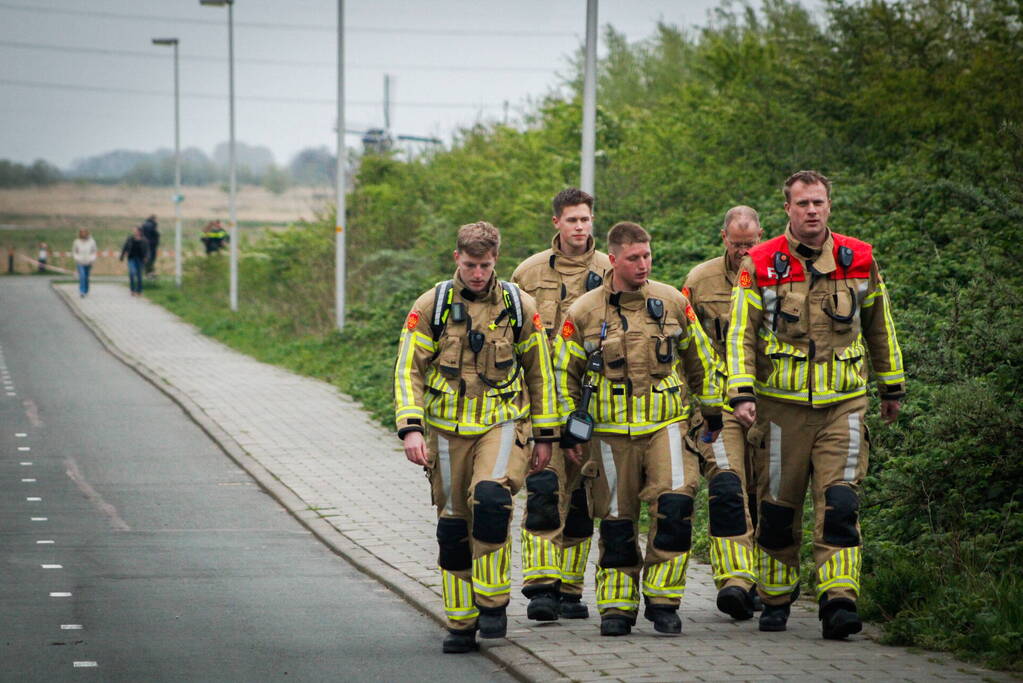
point(571, 196)
point(807, 178)
point(626, 233)
point(478, 239)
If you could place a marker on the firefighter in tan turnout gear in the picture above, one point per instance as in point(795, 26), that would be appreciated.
point(557, 527)
point(808, 308)
point(473, 373)
point(618, 360)
point(728, 462)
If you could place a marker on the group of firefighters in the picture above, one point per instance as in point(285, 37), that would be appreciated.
point(600, 389)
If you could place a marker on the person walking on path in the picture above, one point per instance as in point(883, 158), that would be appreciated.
point(557, 528)
point(727, 463)
point(213, 237)
point(808, 307)
point(628, 356)
point(84, 252)
point(152, 235)
point(44, 256)
point(136, 249)
point(473, 385)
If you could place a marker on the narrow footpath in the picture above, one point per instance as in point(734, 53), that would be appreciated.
point(347, 480)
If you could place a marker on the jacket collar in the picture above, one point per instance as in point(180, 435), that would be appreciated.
point(822, 260)
point(488, 295)
point(562, 262)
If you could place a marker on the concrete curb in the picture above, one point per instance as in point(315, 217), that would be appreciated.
point(517, 660)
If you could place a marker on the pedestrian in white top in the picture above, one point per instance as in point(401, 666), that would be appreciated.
point(84, 251)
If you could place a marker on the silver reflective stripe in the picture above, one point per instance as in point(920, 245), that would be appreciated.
point(774, 441)
point(769, 296)
point(678, 472)
point(852, 460)
point(610, 476)
point(444, 455)
point(720, 455)
point(507, 441)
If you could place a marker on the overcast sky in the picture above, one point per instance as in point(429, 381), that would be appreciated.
point(81, 78)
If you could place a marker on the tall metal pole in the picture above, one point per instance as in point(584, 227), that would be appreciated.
point(233, 178)
point(589, 100)
point(339, 220)
point(177, 172)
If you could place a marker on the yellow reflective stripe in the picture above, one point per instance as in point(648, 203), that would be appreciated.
point(616, 589)
point(457, 594)
point(710, 393)
point(666, 579)
point(892, 377)
point(894, 350)
point(404, 390)
point(409, 411)
point(548, 408)
point(841, 570)
point(573, 562)
point(775, 578)
point(491, 573)
point(731, 560)
point(540, 557)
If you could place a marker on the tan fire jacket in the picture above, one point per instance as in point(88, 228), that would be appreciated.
point(440, 380)
point(709, 289)
point(802, 324)
point(641, 388)
point(556, 280)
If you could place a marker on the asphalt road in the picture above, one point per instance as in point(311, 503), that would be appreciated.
point(133, 549)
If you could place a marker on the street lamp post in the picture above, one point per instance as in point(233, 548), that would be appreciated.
point(233, 221)
point(589, 146)
point(177, 160)
point(339, 221)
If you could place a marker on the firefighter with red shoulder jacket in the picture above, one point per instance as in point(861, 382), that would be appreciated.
point(557, 526)
point(727, 463)
point(808, 309)
point(628, 357)
point(473, 387)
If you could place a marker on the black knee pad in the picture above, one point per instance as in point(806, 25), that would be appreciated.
point(674, 522)
point(841, 513)
point(619, 538)
point(776, 526)
point(727, 512)
point(453, 539)
point(542, 501)
point(578, 523)
point(491, 512)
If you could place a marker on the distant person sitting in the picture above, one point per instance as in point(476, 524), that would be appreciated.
point(152, 236)
point(84, 252)
point(214, 237)
point(44, 256)
point(136, 249)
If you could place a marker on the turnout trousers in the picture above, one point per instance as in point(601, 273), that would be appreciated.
point(728, 467)
point(472, 482)
point(659, 469)
point(828, 449)
point(557, 528)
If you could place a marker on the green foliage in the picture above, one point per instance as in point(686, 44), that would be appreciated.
point(39, 172)
point(913, 108)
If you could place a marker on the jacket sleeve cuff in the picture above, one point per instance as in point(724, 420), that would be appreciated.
point(546, 435)
point(741, 398)
point(408, 426)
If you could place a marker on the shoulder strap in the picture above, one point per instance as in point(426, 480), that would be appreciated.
point(513, 304)
point(441, 306)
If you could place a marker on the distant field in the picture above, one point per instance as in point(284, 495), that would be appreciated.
point(54, 215)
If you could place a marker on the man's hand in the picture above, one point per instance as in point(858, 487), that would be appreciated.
point(575, 453)
point(746, 413)
point(415, 449)
point(890, 410)
point(541, 457)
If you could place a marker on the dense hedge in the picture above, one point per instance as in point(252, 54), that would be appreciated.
point(912, 108)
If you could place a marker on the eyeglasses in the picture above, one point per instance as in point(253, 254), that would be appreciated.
point(741, 245)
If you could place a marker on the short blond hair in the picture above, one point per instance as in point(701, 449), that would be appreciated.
point(626, 233)
point(478, 239)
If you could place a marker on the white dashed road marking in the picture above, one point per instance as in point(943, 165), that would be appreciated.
point(28, 481)
point(38, 519)
point(52, 566)
point(60, 594)
point(34, 499)
point(85, 665)
point(70, 627)
point(44, 542)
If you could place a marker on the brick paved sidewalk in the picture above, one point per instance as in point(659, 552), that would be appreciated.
point(344, 476)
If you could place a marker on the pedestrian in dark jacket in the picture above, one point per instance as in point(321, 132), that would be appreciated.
point(136, 249)
point(152, 235)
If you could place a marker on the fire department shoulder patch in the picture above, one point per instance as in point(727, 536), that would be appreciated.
point(412, 320)
point(687, 293)
point(537, 323)
point(691, 314)
point(745, 281)
point(567, 330)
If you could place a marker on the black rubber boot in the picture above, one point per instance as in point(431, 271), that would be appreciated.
point(775, 617)
point(839, 618)
point(456, 642)
point(736, 603)
point(543, 606)
point(615, 625)
point(758, 604)
point(493, 622)
point(665, 618)
point(573, 607)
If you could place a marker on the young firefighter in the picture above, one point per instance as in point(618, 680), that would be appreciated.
point(728, 462)
point(473, 370)
point(557, 528)
point(808, 308)
point(624, 346)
